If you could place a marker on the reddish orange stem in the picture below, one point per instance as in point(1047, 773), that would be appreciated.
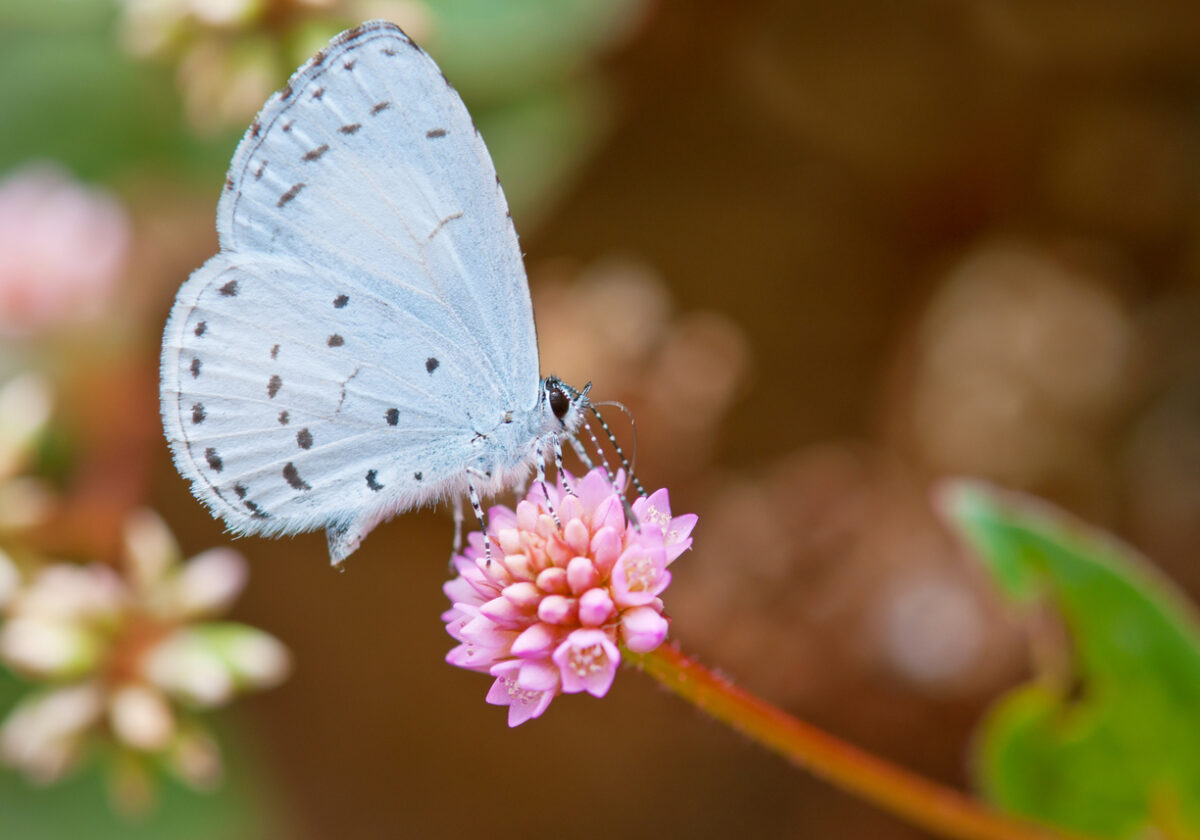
point(940, 810)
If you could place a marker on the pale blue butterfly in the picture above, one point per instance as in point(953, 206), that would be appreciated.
point(364, 341)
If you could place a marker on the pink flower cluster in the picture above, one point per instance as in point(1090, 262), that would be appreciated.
point(545, 615)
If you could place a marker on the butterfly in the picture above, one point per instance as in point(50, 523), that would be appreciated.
point(363, 343)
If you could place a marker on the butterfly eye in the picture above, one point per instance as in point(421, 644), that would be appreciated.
point(559, 402)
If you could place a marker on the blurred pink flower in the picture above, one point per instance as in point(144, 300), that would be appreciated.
point(545, 615)
point(62, 247)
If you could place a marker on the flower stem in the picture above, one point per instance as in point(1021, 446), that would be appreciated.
point(940, 810)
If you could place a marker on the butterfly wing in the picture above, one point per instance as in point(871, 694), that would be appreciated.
point(368, 312)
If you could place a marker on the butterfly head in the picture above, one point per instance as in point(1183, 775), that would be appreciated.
point(563, 406)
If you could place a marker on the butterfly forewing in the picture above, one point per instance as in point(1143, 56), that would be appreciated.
point(367, 162)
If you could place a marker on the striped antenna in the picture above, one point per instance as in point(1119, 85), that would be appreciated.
point(637, 485)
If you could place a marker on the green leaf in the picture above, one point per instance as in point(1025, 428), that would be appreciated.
point(1113, 746)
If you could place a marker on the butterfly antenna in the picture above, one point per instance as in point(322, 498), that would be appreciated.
point(625, 462)
point(599, 449)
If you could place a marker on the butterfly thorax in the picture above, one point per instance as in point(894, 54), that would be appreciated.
point(502, 454)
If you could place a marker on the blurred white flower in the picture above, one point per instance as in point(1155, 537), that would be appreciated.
point(25, 404)
point(135, 653)
point(62, 248)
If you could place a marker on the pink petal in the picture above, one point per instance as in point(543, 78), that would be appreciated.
point(581, 575)
point(524, 595)
point(595, 607)
point(504, 612)
point(558, 609)
point(522, 704)
point(482, 631)
point(643, 629)
point(537, 675)
point(509, 539)
point(610, 513)
point(554, 580)
point(520, 567)
point(527, 515)
point(475, 658)
point(605, 549)
point(501, 518)
point(467, 591)
point(536, 642)
point(587, 661)
point(639, 575)
point(654, 509)
point(594, 489)
point(678, 537)
point(557, 550)
point(570, 511)
point(575, 535)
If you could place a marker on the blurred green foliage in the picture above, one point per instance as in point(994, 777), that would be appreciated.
point(1113, 746)
point(70, 93)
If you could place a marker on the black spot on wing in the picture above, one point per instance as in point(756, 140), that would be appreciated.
point(315, 154)
point(349, 64)
point(200, 328)
point(259, 172)
point(417, 476)
point(371, 482)
point(285, 92)
point(318, 93)
point(283, 418)
point(335, 340)
point(388, 51)
point(435, 133)
point(287, 126)
point(431, 364)
point(351, 128)
point(273, 385)
point(380, 106)
point(255, 127)
point(340, 301)
point(292, 477)
point(213, 459)
point(240, 490)
point(198, 414)
point(290, 194)
point(393, 416)
point(255, 510)
point(229, 289)
point(275, 351)
point(195, 367)
point(304, 438)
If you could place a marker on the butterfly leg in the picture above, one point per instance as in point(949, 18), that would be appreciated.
point(541, 479)
point(456, 508)
point(477, 506)
point(558, 465)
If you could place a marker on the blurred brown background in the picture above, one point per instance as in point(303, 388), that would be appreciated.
point(826, 253)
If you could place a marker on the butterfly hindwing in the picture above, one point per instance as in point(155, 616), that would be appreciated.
point(286, 412)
